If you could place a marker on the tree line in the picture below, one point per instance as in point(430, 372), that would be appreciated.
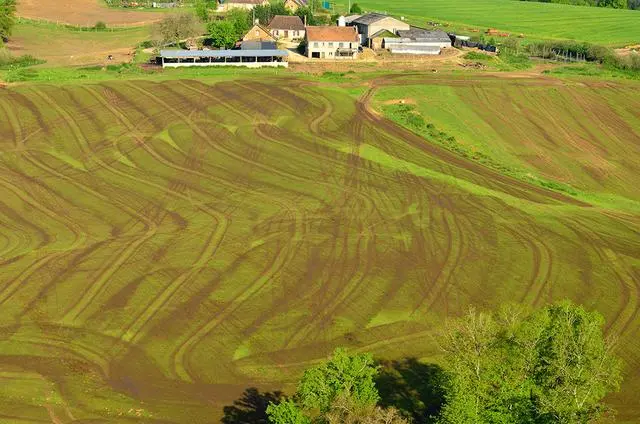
point(551, 365)
point(615, 4)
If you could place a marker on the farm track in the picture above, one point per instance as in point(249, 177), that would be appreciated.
point(184, 242)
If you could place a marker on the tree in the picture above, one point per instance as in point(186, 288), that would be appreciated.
point(575, 366)
point(202, 7)
point(177, 27)
point(286, 412)
point(346, 375)
point(306, 14)
point(551, 366)
point(241, 20)
point(355, 9)
point(264, 13)
point(222, 33)
point(7, 18)
point(340, 388)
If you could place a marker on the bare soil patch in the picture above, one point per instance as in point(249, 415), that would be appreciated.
point(82, 12)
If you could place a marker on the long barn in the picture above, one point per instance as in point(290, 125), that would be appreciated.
point(247, 58)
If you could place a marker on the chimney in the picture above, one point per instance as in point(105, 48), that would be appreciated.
point(256, 21)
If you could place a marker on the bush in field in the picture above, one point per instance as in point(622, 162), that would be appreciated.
point(7, 18)
point(355, 9)
point(100, 26)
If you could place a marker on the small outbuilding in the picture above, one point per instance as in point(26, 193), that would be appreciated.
point(287, 28)
point(376, 41)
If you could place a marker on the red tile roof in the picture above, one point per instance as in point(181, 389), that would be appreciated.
point(332, 33)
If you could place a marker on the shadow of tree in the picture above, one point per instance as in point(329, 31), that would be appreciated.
point(416, 389)
point(251, 408)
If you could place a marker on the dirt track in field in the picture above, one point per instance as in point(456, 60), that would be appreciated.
point(82, 12)
point(170, 244)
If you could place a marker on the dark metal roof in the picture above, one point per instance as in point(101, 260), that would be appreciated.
point(419, 34)
point(370, 18)
point(222, 53)
point(258, 45)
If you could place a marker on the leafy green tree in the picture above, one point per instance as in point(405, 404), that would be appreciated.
point(575, 366)
point(222, 33)
point(343, 386)
point(286, 412)
point(7, 18)
point(307, 13)
point(344, 374)
point(177, 27)
point(202, 8)
point(264, 13)
point(551, 366)
point(355, 9)
point(241, 20)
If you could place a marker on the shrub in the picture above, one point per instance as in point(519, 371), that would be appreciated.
point(100, 26)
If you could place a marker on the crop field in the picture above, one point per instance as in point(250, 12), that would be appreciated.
point(165, 245)
point(538, 20)
point(83, 12)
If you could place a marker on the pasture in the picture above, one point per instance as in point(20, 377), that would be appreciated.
point(165, 245)
point(536, 20)
point(61, 46)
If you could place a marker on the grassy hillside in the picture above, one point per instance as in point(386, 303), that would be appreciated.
point(538, 20)
point(580, 135)
point(166, 245)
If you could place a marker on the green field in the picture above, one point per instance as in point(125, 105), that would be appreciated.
point(536, 20)
point(61, 46)
point(165, 245)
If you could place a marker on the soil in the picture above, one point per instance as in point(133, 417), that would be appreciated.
point(82, 12)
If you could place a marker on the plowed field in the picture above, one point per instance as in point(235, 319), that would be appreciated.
point(164, 246)
point(83, 12)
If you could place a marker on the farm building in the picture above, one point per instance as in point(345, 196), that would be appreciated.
point(376, 41)
point(349, 19)
point(258, 33)
point(418, 41)
point(246, 58)
point(226, 5)
point(287, 28)
point(294, 5)
point(324, 42)
point(373, 23)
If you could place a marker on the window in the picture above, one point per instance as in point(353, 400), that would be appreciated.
point(330, 44)
point(257, 33)
point(330, 53)
point(315, 45)
point(341, 45)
